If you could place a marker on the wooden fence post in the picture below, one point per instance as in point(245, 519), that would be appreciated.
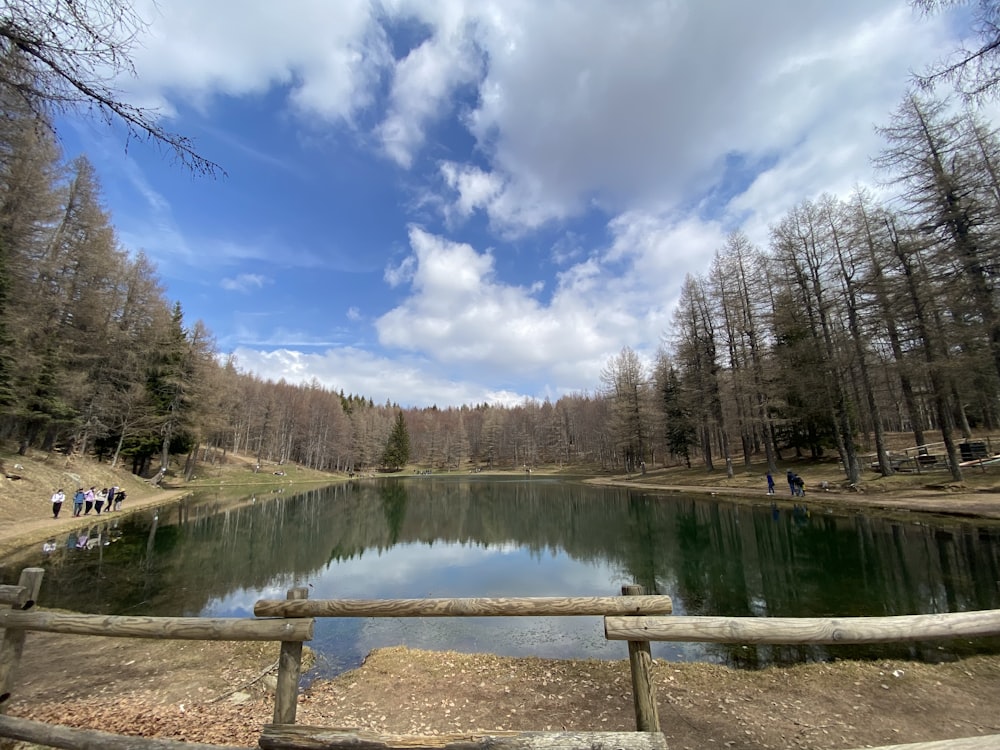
point(13, 638)
point(286, 694)
point(647, 719)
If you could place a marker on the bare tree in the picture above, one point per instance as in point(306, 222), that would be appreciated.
point(627, 386)
point(975, 70)
point(66, 55)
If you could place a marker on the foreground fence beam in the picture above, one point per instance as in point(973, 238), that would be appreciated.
point(796, 630)
point(985, 742)
point(15, 596)
point(286, 695)
point(542, 606)
point(52, 735)
point(12, 643)
point(180, 628)
point(283, 737)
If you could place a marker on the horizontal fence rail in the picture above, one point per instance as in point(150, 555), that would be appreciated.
point(180, 628)
point(15, 596)
point(800, 630)
point(54, 735)
point(299, 737)
point(543, 606)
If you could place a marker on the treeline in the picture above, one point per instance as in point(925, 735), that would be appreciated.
point(860, 318)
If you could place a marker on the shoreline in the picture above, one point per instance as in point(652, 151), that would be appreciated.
point(17, 535)
point(960, 504)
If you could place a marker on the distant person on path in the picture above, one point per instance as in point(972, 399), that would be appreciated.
point(88, 501)
point(119, 499)
point(78, 502)
point(112, 491)
point(790, 476)
point(770, 484)
point(99, 500)
point(57, 500)
point(800, 486)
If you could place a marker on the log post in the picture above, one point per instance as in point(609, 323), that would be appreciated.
point(286, 694)
point(643, 688)
point(13, 638)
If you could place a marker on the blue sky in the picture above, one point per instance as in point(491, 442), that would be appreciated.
point(464, 201)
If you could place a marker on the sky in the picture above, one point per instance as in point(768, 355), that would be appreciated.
point(462, 201)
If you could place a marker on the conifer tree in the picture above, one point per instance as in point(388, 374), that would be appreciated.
point(397, 448)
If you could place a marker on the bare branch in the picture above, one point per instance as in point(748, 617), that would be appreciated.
point(66, 54)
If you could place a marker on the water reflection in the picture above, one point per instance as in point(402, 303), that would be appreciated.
point(427, 536)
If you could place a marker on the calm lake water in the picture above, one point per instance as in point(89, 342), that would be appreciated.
point(451, 536)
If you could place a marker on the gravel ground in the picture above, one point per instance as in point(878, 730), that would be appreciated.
point(211, 692)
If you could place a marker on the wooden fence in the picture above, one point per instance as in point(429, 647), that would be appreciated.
point(633, 617)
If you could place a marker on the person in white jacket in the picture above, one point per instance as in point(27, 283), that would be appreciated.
point(57, 500)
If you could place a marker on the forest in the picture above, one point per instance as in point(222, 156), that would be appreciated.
point(863, 316)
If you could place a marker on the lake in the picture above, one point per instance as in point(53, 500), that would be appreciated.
point(428, 536)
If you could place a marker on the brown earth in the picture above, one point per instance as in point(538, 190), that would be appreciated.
point(221, 692)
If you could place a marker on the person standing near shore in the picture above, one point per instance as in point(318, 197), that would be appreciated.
point(88, 501)
point(57, 500)
point(770, 484)
point(78, 502)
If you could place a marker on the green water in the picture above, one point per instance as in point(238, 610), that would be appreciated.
point(428, 536)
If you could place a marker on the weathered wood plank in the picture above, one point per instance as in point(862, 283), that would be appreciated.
point(12, 643)
point(792, 630)
point(298, 737)
point(468, 607)
point(286, 695)
point(986, 742)
point(14, 596)
point(53, 735)
point(647, 719)
point(181, 628)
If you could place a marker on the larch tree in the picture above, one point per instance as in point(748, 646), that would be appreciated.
point(973, 70)
point(626, 385)
point(695, 345)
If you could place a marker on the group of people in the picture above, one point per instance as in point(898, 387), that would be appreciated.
point(84, 501)
point(795, 483)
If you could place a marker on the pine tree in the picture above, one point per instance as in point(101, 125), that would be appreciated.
point(397, 448)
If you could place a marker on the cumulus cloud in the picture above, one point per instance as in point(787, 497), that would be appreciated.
point(460, 314)
point(575, 104)
point(328, 57)
point(422, 82)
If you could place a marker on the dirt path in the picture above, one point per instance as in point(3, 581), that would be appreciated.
point(946, 501)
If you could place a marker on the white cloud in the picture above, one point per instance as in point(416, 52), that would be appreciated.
point(461, 315)
point(475, 188)
point(245, 282)
point(577, 104)
point(411, 382)
point(329, 56)
point(422, 83)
